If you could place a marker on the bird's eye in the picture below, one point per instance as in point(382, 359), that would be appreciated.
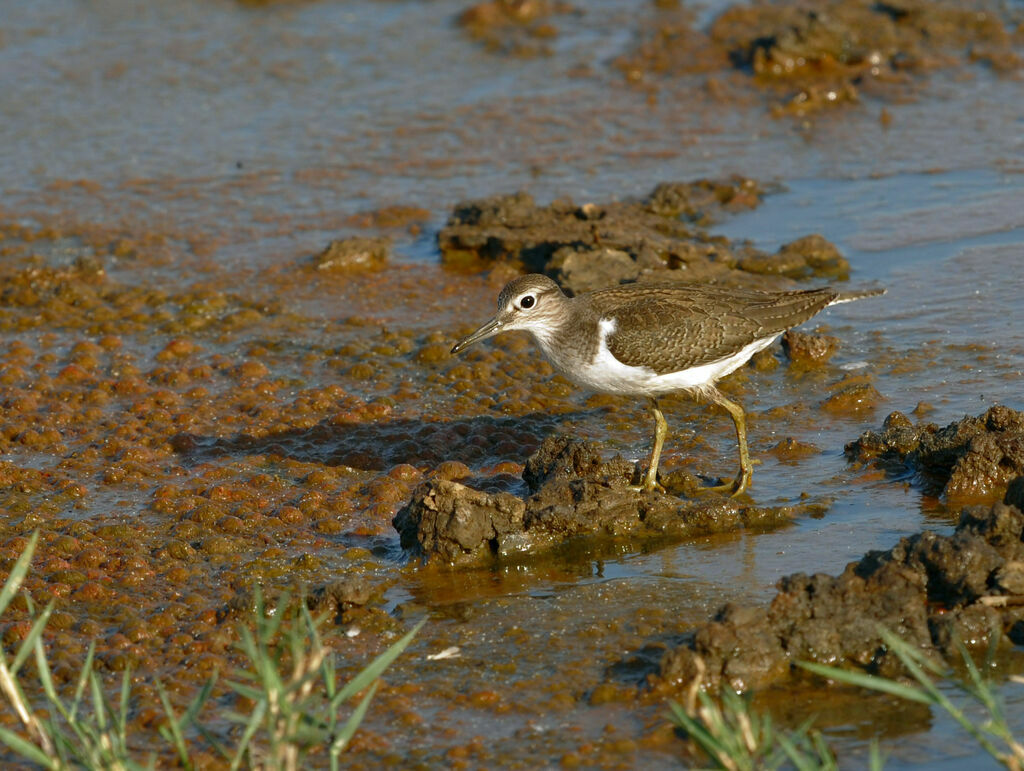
point(527, 302)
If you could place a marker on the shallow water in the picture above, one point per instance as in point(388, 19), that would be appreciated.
point(233, 142)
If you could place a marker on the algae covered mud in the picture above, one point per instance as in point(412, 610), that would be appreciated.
point(239, 240)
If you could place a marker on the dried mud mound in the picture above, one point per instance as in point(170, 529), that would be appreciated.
point(574, 493)
point(930, 589)
point(590, 246)
point(971, 459)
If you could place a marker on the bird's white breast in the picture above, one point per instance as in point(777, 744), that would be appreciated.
point(606, 374)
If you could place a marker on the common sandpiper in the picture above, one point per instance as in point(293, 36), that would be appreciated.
point(651, 339)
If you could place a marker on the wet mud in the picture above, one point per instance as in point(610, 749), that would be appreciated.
point(932, 590)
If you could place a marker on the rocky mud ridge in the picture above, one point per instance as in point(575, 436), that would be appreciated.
point(589, 246)
point(930, 589)
point(573, 493)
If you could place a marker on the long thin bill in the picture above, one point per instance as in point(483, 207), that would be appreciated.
point(492, 327)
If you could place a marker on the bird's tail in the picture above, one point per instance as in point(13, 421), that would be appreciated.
point(856, 294)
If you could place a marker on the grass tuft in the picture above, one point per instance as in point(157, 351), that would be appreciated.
point(993, 734)
point(290, 681)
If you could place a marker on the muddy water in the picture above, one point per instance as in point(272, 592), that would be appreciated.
point(191, 407)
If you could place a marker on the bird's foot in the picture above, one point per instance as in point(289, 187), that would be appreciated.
point(733, 488)
point(645, 489)
point(649, 484)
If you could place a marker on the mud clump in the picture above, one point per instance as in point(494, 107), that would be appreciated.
point(345, 599)
point(852, 399)
point(972, 459)
point(807, 349)
point(514, 27)
point(560, 458)
point(812, 58)
point(574, 494)
point(930, 589)
point(355, 254)
point(410, 218)
point(458, 524)
point(663, 236)
point(806, 257)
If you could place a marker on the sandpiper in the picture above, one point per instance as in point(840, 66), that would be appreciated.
point(654, 339)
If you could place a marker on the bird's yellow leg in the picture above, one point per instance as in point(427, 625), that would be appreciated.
point(660, 432)
point(742, 480)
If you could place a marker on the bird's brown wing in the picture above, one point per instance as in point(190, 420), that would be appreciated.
point(677, 328)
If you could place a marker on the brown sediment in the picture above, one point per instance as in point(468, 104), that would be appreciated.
point(852, 398)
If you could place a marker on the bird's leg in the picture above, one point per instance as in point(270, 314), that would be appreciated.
point(742, 480)
point(660, 431)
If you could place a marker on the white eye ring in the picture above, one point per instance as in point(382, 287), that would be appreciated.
point(527, 301)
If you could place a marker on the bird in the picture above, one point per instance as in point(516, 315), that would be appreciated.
point(651, 339)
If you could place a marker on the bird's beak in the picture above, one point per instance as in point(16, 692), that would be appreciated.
point(489, 329)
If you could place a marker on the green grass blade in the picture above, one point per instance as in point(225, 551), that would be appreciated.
point(27, 749)
point(951, 709)
point(348, 731)
point(864, 680)
point(250, 730)
point(377, 666)
point(704, 738)
point(330, 672)
point(826, 759)
point(46, 680)
point(268, 624)
point(909, 654)
point(796, 756)
point(980, 689)
point(29, 643)
point(200, 700)
point(18, 573)
point(875, 758)
point(172, 731)
point(248, 691)
point(212, 741)
point(98, 710)
point(83, 677)
point(122, 711)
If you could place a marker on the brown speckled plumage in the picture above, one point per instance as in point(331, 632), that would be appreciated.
point(694, 325)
